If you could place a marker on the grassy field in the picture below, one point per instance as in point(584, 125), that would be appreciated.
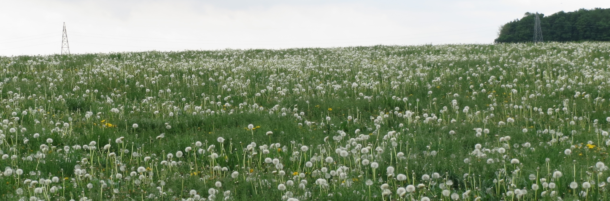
point(449, 122)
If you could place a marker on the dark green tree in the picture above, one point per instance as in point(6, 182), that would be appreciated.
point(581, 25)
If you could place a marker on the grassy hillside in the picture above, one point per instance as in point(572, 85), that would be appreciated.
point(471, 122)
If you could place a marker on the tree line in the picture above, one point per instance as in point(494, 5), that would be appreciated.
point(581, 25)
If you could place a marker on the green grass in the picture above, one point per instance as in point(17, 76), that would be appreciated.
point(325, 99)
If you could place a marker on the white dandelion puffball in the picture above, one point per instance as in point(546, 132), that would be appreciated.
point(557, 174)
point(410, 188)
point(573, 185)
point(234, 175)
point(455, 196)
point(600, 165)
point(401, 177)
point(535, 187)
point(281, 187)
point(374, 165)
point(329, 159)
point(212, 191)
point(343, 153)
point(586, 185)
point(425, 177)
point(401, 191)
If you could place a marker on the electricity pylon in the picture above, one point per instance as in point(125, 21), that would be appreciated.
point(537, 30)
point(65, 48)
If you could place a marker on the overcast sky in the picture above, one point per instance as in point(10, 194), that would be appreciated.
point(34, 27)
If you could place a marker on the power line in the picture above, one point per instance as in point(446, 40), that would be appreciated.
point(152, 43)
point(33, 45)
point(28, 38)
point(65, 47)
point(537, 30)
point(242, 41)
